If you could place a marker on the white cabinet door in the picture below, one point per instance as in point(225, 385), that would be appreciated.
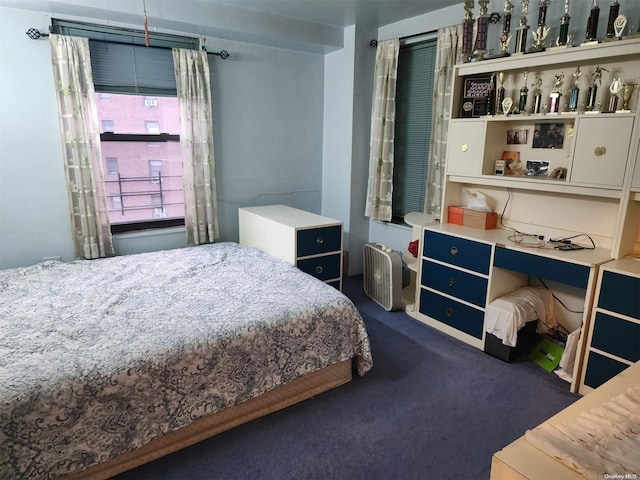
point(602, 146)
point(465, 147)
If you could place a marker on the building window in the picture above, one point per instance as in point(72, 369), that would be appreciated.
point(152, 126)
point(414, 92)
point(150, 101)
point(155, 170)
point(115, 203)
point(106, 126)
point(112, 166)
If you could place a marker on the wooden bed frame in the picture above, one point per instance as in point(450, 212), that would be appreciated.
point(296, 391)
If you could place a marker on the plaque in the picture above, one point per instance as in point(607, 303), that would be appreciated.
point(477, 95)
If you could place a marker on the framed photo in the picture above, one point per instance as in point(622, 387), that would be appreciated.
point(477, 95)
point(517, 137)
point(537, 168)
point(548, 135)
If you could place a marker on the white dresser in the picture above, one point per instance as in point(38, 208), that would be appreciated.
point(309, 241)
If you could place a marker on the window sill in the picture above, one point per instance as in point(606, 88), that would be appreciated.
point(150, 232)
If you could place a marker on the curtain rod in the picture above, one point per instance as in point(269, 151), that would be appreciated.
point(35, 34)
point(374, 43)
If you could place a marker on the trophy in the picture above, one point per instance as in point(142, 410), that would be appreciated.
point(500, 94)
point(480, 47)
point(540, 34)
point(596, 76)
point(618, 26)
point(507, 103)
point(537, 95)
point(592, 23)
point(521, 38)
point(467, 31)
point(614, 9)
point(556, 94)
point(627, 93)
point(574, 93)
point(524, 92)
point(563, 37)
point(614, 88)
point(505, 38)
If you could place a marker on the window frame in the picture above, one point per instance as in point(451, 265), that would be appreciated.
point(424, 41)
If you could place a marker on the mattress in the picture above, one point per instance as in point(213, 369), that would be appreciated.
point(100, 357)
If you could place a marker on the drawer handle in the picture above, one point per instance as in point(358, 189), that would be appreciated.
point(600, 151)
point(454, 250)
point(449, 312)
point(319, 269)
point(319, 241)
point(452, 282)
point(464, 147)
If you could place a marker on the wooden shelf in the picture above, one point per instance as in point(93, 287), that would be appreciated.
point(528, 183)
point(552, 56)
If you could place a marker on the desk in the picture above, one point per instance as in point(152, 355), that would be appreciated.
point(522, 461)
point(463, 269)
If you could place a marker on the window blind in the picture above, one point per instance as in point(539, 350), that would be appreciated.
point(414, 96)
point(122, 63)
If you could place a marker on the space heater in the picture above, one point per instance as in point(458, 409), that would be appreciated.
point(383, 275)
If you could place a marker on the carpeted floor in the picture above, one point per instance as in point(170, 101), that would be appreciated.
point(431, 408)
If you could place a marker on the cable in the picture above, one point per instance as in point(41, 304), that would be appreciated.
point(559, 301)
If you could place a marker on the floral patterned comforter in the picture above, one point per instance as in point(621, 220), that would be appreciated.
point(99, 357)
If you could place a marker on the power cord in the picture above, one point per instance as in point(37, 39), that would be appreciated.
point(541, 241)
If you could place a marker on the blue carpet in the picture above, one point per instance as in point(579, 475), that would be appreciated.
point(431, 408)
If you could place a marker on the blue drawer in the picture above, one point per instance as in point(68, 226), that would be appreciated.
point(457, 315)
point(324, 268)
point(457, 251)
point(601, 369)
point(620, 294)
point(616, 336)
point(456, 283)
point(543, 267)
point(314, 241)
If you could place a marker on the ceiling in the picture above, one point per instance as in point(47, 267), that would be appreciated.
point(315, 26)
point(342, 13)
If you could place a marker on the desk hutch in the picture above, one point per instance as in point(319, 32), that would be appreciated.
point(462, 269)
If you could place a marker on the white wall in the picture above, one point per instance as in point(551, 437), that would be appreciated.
point(34, 211)
point(268, 124)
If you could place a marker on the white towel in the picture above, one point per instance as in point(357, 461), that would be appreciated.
point(508, 314)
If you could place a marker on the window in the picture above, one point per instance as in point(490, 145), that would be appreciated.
point(136, 97)
point(414, 91)
point(155, 170)
point(149, 185)
point(106, 125)
point(152, 126)
point(112, 166)
point(150, 101)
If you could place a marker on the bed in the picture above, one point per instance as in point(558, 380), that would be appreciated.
point(108, 364)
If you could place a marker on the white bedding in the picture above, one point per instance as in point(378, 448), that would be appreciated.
point(603, 442)
point(508, 314)
point(99, 357)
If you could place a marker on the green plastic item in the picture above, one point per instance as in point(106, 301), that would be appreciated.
point(547, 354)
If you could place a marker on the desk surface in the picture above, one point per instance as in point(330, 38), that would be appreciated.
point(520, 460)
point(500, 237)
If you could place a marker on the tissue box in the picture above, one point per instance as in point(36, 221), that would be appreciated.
point(473, 218)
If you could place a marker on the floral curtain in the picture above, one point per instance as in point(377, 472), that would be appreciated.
point(196, 141)
point(383, 112)
point(81, 145)
point(448, 50)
